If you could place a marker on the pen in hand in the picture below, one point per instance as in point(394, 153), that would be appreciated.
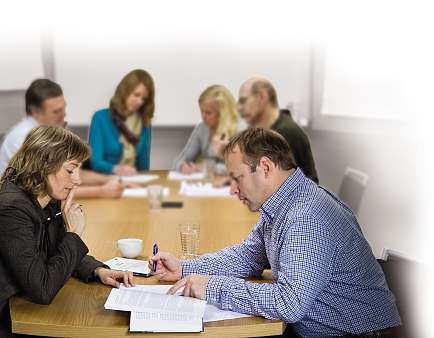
point(154, 252)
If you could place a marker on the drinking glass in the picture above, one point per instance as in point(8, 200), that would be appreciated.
point(155, 196)
point(189, 234)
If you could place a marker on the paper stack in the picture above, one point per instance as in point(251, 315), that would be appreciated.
point(136, 266)
point(139, 178)
point(203, 190)
point(141, 192)
point(177, 176)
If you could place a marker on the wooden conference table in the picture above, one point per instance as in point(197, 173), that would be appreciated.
point(78, 309)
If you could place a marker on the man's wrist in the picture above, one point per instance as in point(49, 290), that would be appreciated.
point(188, 267)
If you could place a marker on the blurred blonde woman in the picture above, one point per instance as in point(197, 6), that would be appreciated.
point(219, 124)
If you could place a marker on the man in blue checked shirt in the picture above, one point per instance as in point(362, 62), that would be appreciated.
point(327, 282)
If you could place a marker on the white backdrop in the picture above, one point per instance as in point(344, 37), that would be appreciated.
point(89, 66)
point(367, 64)
point(20, 57)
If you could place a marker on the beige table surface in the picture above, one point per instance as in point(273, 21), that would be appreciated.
point(78, 309)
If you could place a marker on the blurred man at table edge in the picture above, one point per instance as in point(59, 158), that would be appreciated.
point(46, 105)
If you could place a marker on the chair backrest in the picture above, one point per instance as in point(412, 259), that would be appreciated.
point(403, 278)
point(352, 188)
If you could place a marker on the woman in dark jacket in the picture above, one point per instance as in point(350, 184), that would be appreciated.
point(41, 226)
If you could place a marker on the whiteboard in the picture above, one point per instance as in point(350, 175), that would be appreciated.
point(89, 65)
point(364, 84)
point(366, 67)
point(20, 58)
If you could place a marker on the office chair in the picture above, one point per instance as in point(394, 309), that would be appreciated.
point(352, 188)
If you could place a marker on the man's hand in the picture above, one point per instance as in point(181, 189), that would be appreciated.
point(114, 277)
point(194, 286)
point(169, 268)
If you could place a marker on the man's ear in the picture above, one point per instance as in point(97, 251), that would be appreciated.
point(263, 96)
point(34, 110)
point(266, 165)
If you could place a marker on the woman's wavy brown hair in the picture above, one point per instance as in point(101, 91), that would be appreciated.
point(127, 86)
point(43, 152)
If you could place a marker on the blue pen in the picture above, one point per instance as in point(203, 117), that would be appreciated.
point(154, 252)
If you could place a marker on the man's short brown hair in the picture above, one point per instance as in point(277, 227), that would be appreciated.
point(254, 143)
point(39, 91)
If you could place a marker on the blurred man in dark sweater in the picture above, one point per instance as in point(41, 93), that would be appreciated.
point(258, 106)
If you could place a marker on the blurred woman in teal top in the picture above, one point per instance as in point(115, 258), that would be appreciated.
point(120, 136)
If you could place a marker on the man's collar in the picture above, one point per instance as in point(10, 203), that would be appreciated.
point(272, 204)
point(31, 119)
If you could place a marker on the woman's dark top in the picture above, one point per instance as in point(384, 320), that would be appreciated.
point(37, 254)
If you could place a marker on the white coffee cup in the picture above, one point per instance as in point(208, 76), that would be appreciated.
point(130, 247)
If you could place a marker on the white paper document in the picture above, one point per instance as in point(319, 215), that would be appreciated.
point(157, 312)
point(136, 266)
point(139, 178)
point(151, 321)
point(177, 176)
point(212, 311)
point(141, 192)
point(203, 190)
point(137, 299)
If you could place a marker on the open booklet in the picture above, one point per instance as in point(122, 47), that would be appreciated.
point(156, 312)
point(146, 321)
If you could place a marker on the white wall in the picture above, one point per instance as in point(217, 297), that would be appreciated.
point(17, 66)
point(390, 206)
point(368, 107)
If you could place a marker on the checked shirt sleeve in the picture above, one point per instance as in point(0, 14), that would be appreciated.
point(242, 260)
point(304, 256)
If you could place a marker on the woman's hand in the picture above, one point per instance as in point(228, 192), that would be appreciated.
point(189, 168)
point(73, 215)
point(114, 277)
point(111, 189)
point(218, 142)
point(169, 268)
point(124, 170)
